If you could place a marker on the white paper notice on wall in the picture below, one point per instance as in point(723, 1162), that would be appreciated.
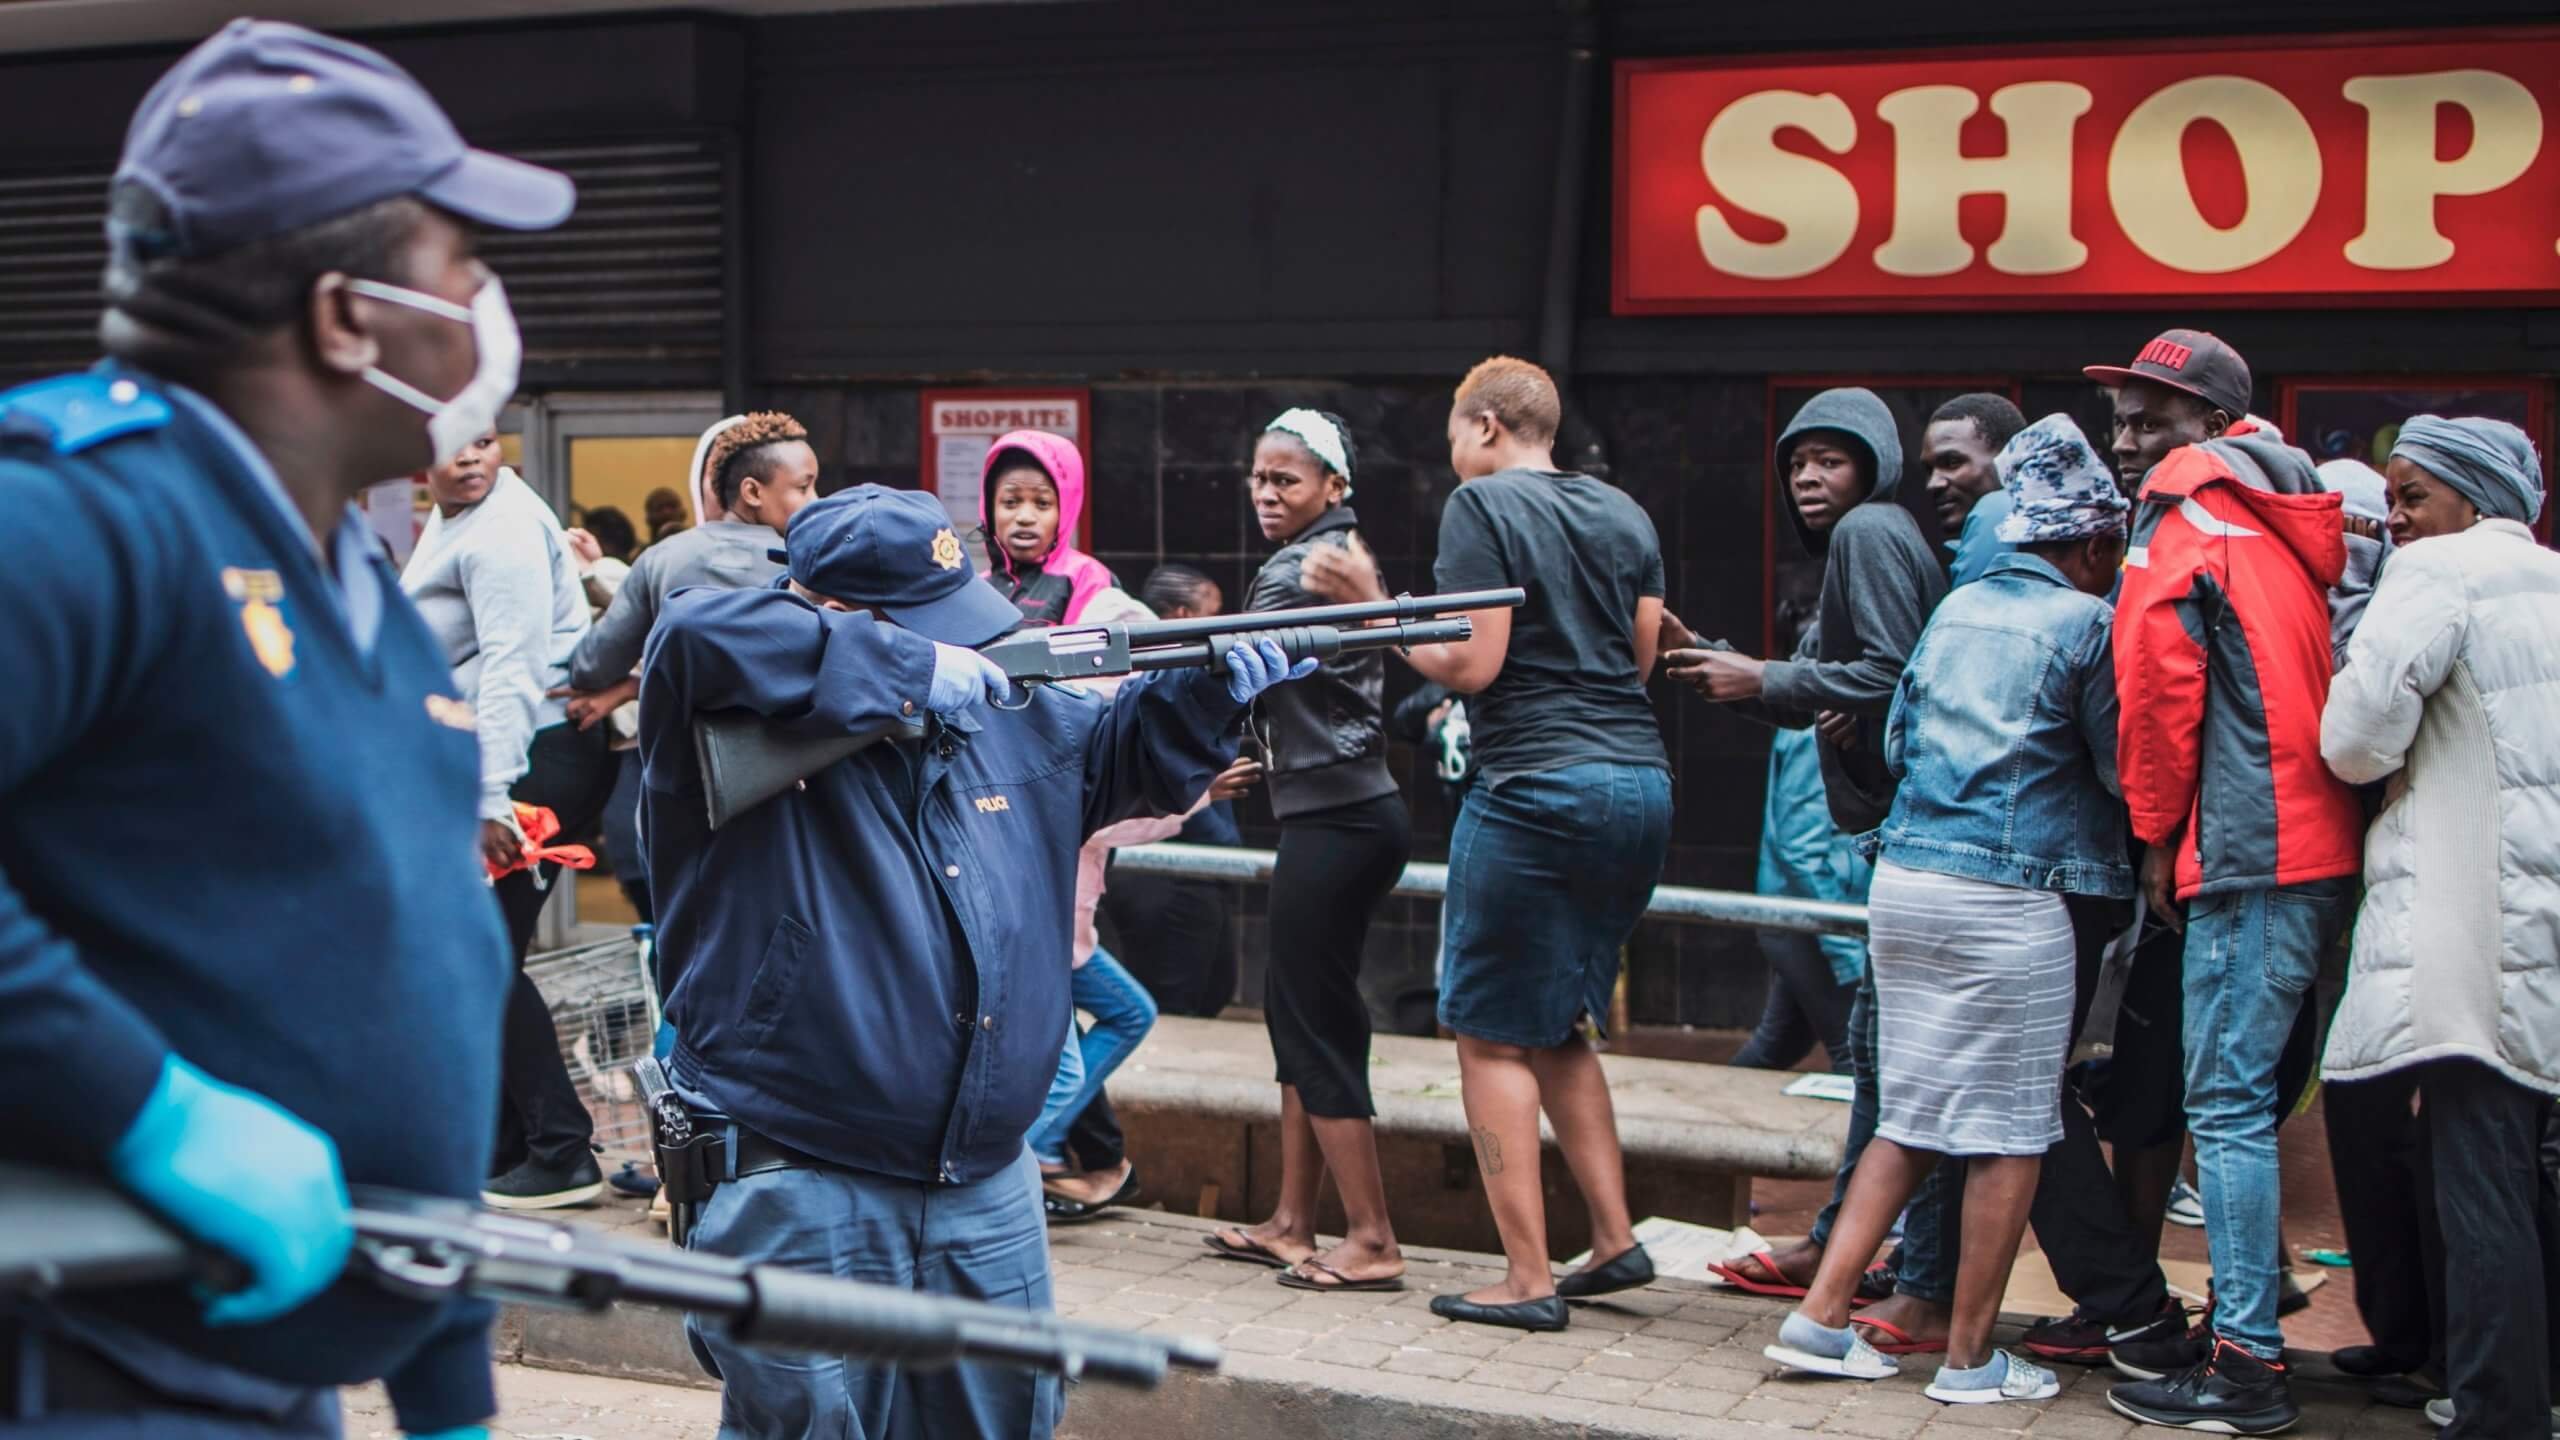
point(958, 469)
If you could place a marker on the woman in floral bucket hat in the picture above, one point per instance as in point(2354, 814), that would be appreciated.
point(2003, 737)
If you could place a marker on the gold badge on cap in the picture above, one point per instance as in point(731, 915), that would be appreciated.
point(946, 549)
point(257, 592)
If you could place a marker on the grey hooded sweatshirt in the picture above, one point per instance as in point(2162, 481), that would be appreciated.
point(1879, 585)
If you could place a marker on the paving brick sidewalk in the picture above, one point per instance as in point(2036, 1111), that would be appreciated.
point(1677, 1359)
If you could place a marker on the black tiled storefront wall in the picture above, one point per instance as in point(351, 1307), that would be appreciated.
point(1168, 485)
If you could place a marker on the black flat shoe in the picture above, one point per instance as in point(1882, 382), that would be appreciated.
point(2369, 1362)
point(1632, 1270)
point(1545, 1314)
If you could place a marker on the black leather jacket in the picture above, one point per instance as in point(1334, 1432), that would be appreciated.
point(1324, 738)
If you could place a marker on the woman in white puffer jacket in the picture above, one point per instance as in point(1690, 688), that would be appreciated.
point(2451, 693)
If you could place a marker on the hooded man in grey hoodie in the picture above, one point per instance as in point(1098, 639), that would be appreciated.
point(1840, 461)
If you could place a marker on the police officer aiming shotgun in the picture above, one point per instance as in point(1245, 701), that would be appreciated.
point(868, 975)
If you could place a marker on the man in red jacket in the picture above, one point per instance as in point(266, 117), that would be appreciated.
point(2223, 664)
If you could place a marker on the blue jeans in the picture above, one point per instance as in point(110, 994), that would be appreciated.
point(987, 1240)
point(1926, 1268)
point(1123, 1012)
point(2251, 955)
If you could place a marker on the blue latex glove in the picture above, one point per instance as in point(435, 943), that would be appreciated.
point(963, 678)
point(459, 1432)
point(1254, 668)
point(242, 1175)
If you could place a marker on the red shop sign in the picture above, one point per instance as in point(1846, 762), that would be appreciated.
point(2414, 169)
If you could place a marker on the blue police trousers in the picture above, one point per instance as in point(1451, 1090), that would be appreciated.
point(986, 1240)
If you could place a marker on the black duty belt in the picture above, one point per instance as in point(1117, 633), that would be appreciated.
point(756, 1155)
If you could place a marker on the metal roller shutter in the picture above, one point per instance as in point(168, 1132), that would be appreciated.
point(52, 247)
point(633, 286)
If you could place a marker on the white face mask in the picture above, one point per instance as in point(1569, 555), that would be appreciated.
point(473, 410)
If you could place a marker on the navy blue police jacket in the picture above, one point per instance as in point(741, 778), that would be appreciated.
point(229, 833)
point(874, 968)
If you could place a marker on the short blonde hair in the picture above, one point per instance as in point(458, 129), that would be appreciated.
point(1518, 394)
point(754, 432)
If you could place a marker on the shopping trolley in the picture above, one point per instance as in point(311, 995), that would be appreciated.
point(603, 998)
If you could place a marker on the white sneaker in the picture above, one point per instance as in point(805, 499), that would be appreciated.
point(2186, 1207)
point(1817, 1349)
point(2440, 1414)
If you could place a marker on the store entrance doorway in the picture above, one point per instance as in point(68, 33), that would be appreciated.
point(586, 453)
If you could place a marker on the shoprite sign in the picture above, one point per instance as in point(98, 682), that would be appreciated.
point(2411, 169)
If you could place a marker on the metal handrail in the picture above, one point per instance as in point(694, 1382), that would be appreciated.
point(1682, 903)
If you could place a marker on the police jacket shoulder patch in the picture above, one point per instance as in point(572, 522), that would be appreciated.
point(70, 413)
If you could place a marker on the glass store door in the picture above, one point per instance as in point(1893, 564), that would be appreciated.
point(585, 454)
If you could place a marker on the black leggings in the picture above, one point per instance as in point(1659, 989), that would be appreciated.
point(540, 1115)
point(1334, 867)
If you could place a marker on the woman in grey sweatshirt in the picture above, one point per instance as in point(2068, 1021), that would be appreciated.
point(493, 578)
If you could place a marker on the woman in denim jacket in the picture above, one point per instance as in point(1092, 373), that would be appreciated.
point(2003, 734)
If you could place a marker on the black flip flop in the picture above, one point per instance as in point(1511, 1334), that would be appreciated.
point(1063, 1211)
point(1251, 1252)
point(1295, 1278)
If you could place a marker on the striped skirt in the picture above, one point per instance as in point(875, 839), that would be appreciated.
point(1973, 1012)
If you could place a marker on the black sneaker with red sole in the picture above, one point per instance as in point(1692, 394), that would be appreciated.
point(2076, 1339)
point(2230, 1392)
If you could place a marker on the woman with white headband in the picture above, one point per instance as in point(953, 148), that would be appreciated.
point(1344, 836)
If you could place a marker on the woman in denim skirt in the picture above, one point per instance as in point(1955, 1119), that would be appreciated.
point(1562, 837)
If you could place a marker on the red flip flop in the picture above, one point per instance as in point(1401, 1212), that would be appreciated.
point(1896, 1340)
point(1780, 1289)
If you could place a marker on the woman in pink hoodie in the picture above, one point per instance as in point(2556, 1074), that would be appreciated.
point(1031, 496)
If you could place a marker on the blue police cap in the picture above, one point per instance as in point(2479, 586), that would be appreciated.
point(266, 128)
point(895, 551)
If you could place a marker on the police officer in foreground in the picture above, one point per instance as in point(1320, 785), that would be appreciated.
point(247, 950)
point(868, 976)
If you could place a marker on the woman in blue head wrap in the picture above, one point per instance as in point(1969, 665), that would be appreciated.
point(2451, 692)
point(2448, 475)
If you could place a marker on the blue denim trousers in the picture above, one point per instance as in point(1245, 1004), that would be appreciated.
point(1925, 1269)
point(1123, 1012)
point(2251, 956)
point(1548, 874)
point(987, 1240)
